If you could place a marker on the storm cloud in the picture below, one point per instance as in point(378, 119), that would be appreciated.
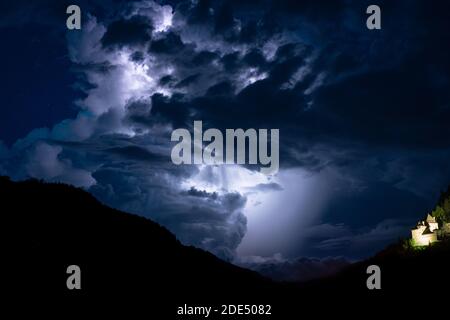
point(363, 117)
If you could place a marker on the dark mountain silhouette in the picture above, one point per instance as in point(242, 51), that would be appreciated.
point(129, 260)
point(296, 270)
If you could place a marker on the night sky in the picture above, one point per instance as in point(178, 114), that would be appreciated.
point(364, 115)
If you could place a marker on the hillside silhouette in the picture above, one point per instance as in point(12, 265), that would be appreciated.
point(124, 257)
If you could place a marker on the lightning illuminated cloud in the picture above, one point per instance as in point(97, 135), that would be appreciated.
point(126, 161)
point(143, 69)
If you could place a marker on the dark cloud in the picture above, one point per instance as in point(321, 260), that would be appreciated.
point(230, 61)
point(198, 13)
point(187, 81)
point(201, 193)
point(204, 57)
point(170, 44)
point(371, 107)
point(255, 58)
point(138, 181)
point(268, 187)
point(221, 89)
point(136, 30)
point(356, 243)
point(224, 22)
point(138, 56)
point(136, 153)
